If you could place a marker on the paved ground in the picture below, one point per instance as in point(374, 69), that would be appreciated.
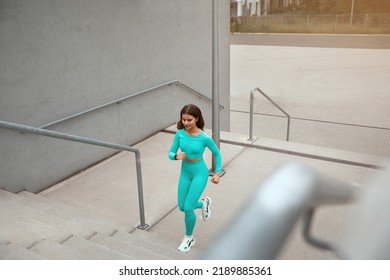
point(336, 97)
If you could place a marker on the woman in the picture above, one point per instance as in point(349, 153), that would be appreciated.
point(192, 141)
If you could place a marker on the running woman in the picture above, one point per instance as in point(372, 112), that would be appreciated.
point(192, 141)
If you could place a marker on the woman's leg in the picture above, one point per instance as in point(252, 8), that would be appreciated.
point(183, 188)
point(192, 201)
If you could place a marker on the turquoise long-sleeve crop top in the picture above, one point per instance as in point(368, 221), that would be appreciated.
point(194, 146)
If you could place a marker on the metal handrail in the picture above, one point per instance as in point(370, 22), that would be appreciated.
point(91, 141)
point(117, 101)
point(262, 226)
point(251, 113)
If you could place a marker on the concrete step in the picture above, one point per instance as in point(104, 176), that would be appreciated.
point(100, 223)
point(11, 251)
point(25, 231)
point(53, 250)
point(76, 248)
point(44, 231)
point(74, 227)
point(107, 190)
point(94, 251)
point(127, 248)
point(153, 242)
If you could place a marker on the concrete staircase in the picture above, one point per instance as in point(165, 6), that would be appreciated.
point(94, 214)
point(35, 227)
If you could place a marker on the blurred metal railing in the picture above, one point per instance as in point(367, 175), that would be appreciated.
point(251, 113)
point(70, 137)
point(260, 229)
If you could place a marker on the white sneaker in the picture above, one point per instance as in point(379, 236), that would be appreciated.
point(206, 211)
point(186, 244)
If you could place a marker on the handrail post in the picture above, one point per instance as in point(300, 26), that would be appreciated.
point(215, 81)
point(251, 117)
point(251, 113)
point(142, 224)
point(215, 87)
point(288, 128)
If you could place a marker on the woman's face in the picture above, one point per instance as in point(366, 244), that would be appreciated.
point(188, 121)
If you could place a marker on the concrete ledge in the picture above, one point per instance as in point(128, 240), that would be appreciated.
point(298, 149)
point(322, 153)
point(128, 248)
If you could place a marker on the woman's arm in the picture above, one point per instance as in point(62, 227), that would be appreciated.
point(217, 153)
point(174, 147)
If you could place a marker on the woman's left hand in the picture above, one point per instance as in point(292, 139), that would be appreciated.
point(215, 179)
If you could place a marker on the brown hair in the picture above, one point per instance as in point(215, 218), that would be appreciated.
point(194, 111)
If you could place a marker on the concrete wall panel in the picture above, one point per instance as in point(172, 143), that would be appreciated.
point(58, 58)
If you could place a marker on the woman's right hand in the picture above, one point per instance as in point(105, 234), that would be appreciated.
point(181, 156)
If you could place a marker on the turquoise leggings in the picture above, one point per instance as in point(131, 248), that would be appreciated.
point(192, 182)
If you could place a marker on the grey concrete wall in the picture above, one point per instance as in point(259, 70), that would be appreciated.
point(58, 58)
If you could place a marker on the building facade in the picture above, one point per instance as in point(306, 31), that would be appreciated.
point(259, 7)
